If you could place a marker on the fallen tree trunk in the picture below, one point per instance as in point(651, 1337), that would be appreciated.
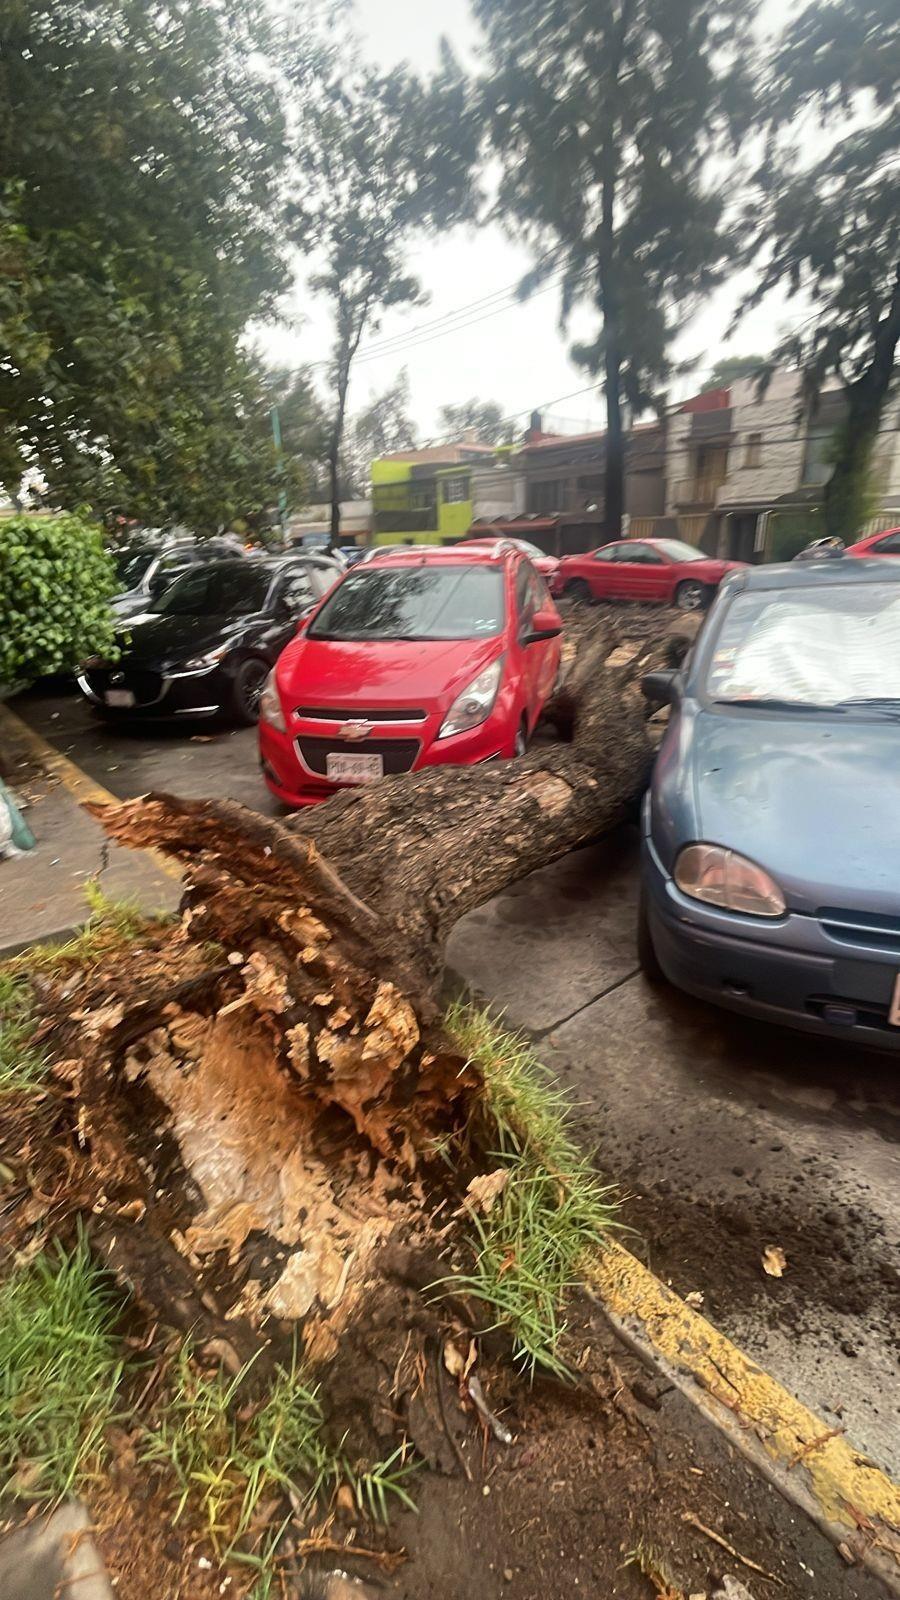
point(261, 1091)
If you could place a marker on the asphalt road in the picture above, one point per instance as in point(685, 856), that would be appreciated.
point(727, 1136)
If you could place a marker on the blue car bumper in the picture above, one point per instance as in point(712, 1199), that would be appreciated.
point(791, 971)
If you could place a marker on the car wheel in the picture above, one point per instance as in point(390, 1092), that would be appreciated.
point(690, 596)
point(246, 688)
point(579, 589)
point(648, 960)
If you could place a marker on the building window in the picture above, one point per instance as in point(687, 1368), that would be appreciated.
point(818, 459)
point(455, 490)
point(547, 496)
point(753, 450)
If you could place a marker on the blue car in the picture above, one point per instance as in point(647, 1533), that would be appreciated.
point(770, 870)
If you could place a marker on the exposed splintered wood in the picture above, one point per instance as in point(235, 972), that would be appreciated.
point(257, 1099)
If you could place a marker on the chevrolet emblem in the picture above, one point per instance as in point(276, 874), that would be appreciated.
point(356, 730)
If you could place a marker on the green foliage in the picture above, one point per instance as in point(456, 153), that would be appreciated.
point(608, 120)
point(486, 419)
point(381, 158)
point(731, 368)
point(383, 426)
point(59, 1373)
point(230, 1459)
point(22, 1066)
point(228, 1462)
point(55, 581)
point(529, 1247)
point(141, 150)
point(111, 927)
point(824, 218)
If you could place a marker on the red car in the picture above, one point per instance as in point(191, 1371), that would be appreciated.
point(547, 566)
point(886, 543)
point(644, 569)
point(426, 657)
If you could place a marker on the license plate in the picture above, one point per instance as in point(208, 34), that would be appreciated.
point(354, 769)
point(894, 1013)
point(119, 697)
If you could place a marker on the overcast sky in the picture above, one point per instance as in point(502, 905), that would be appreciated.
point(515, 355)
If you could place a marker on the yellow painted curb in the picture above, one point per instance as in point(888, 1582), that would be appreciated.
point(857, 1503)
point(77, 782)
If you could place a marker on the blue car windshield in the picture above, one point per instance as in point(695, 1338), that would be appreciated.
point(827, 646)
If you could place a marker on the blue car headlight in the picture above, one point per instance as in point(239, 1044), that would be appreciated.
point(721, 877)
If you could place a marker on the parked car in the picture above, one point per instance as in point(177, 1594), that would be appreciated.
point(208, 643)
point(547, 566)
point(826, 549)
point(886, 543)
point(665, 570)
point(427, 657)
point(770, 850)
point(145, 571)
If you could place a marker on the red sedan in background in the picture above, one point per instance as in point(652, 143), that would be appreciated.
point(547, 566)
point(886, 543)
point(664, 570)
point(425, 657)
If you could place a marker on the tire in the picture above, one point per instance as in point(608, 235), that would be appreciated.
point(691, 596)
point(246, 687)
point(648, 960)
point(579, 589)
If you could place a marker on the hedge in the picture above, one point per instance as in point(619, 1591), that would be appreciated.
point(55, 583)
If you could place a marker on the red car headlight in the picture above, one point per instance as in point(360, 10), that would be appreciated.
point(476, 702)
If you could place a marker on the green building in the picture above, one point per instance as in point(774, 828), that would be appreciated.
point(425, 495)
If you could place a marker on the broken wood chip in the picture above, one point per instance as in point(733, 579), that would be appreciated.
point(774, 1261)
point(482, 1192)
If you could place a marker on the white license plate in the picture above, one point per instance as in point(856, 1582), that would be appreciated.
point(354, 769)
point(894, 1013)
point(119, 697)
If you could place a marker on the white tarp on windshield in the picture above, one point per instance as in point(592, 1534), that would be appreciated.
point(824, 646)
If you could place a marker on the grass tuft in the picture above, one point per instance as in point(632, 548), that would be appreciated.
point(22, 1066)
point(229, 1462)
point(554, 1208)
point(112, 925)
point(59, 1373)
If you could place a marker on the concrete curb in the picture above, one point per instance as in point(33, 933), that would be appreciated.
point(851, 1500)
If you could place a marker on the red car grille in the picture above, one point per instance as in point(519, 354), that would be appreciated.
point(356, 714)
point(398, 754)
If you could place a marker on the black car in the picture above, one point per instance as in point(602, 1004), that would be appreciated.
point(208, 644)
point(145, 571)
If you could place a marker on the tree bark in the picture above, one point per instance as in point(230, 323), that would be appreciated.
point(848, 487)
point(262, 1086)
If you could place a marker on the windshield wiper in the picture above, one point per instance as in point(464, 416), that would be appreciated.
point(762, 704)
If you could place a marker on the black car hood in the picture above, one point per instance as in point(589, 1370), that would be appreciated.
point(169, 640)
point(812, 798)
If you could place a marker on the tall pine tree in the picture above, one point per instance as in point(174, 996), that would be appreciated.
point(607, 118)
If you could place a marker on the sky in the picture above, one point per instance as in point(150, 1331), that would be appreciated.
point(514, 354)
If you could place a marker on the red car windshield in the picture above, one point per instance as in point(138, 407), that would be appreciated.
point(414, 603)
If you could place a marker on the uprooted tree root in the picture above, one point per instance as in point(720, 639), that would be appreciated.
point(250, 1105)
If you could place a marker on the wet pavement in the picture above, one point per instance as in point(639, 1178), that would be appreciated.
point(727, 1136)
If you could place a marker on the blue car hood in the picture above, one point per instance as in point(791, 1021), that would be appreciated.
point(813, 799)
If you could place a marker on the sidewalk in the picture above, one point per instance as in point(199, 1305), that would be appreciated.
point(42, 891)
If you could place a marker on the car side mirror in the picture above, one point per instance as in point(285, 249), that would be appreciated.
point(544, 625)
point(304, 618)
point(661, 688)
point(158, 585)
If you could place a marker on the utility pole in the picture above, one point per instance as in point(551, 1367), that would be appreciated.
point(279, 459)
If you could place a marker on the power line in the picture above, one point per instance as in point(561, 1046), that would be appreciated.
point(460, 327)
point(372, 346)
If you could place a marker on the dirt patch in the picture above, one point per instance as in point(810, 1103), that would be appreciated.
point(834, 1259)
